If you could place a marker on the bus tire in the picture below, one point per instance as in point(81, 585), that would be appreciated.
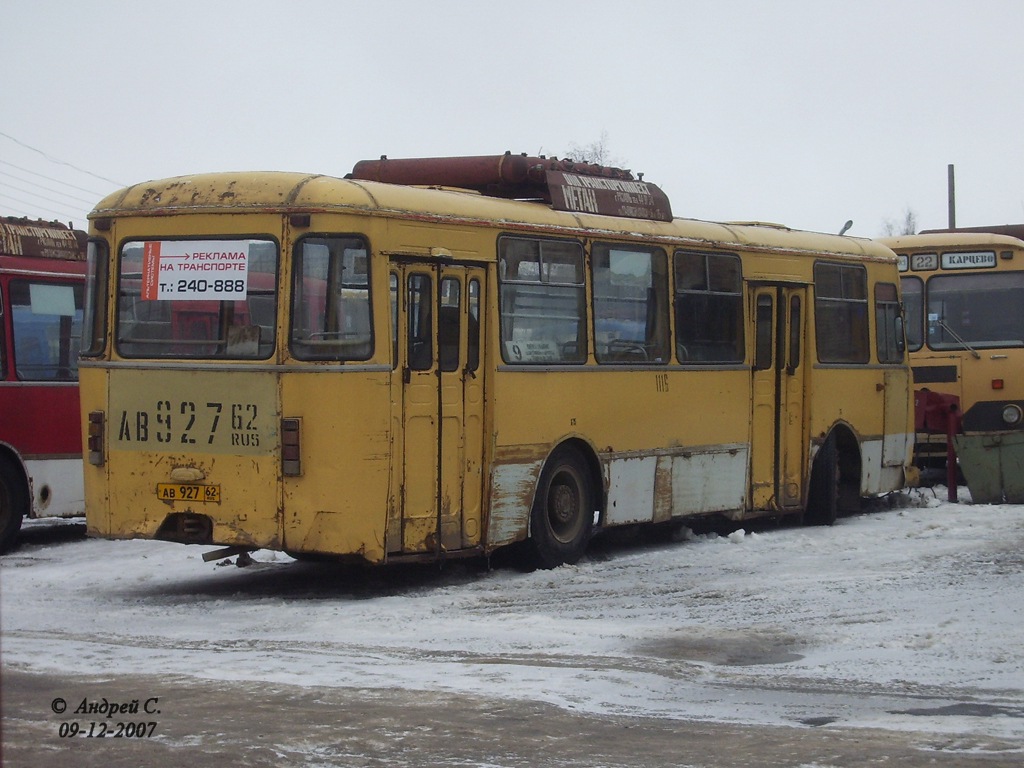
point(13, 505)
point(823, 493)
point(563, 510)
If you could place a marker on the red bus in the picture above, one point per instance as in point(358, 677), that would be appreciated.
point(42, 285)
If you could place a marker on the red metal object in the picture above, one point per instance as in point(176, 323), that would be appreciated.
point(933, 410)
point(939, 413)
point(506, 175)
point(566, 185)
point(41, 239)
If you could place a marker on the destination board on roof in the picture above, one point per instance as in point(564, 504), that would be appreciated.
point(608, 197)
point(177, 270)
point(969, 260)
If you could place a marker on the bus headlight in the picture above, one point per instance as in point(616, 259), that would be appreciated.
point(1012, 414)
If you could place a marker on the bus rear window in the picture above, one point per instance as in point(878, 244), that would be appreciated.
point(197, 299)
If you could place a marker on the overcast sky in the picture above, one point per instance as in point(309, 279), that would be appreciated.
point(802, 112)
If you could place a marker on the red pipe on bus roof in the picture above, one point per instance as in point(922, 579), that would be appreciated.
point(505, 174)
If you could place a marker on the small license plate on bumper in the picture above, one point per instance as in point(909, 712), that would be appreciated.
point(185, 492)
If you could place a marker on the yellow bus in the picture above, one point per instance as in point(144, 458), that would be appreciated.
point(437, 358)
point(964, 297)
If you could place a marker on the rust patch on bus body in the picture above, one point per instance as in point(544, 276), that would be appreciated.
point(512, 490)
point(663, 490)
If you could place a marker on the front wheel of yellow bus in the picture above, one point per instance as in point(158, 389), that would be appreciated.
point(563, 510)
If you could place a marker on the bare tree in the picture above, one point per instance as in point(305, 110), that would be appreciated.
point(596, 152)
point(906, 227)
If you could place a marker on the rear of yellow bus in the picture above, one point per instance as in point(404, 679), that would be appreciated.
point(186, 370)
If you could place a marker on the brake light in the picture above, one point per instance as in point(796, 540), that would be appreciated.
point(291, 449)
point(997, 383)
point(96, 438)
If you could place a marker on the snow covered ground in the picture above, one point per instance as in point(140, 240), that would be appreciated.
point(909, 617)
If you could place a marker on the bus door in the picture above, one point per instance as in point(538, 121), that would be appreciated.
point(438, 406)
point(778, 440)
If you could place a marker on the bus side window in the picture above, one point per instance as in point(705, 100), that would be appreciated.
point(542, 301)
point(708, 308)
point(841, 313)
point(331, 313)
point(630, 299)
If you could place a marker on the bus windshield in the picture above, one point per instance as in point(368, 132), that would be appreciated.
point(976, 310)
point(197, 298)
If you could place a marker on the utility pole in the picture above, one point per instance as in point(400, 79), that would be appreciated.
point(952, 196)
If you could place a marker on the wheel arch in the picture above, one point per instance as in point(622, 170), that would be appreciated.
point(849, 458)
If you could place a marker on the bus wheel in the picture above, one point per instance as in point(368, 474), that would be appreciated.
point(823, 495)
point(563, 510)
point(12, 505)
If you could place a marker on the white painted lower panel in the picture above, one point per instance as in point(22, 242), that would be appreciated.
point(710, 480)
point(699, 481)
point(875, 477)
point(631, 490)
point(57, 487)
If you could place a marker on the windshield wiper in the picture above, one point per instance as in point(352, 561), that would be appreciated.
point(959, 339)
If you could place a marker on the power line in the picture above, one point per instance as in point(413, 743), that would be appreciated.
point(49, 189)
point(57, 161)
point(33, 194)
point(49, 178)
point(24, 210)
